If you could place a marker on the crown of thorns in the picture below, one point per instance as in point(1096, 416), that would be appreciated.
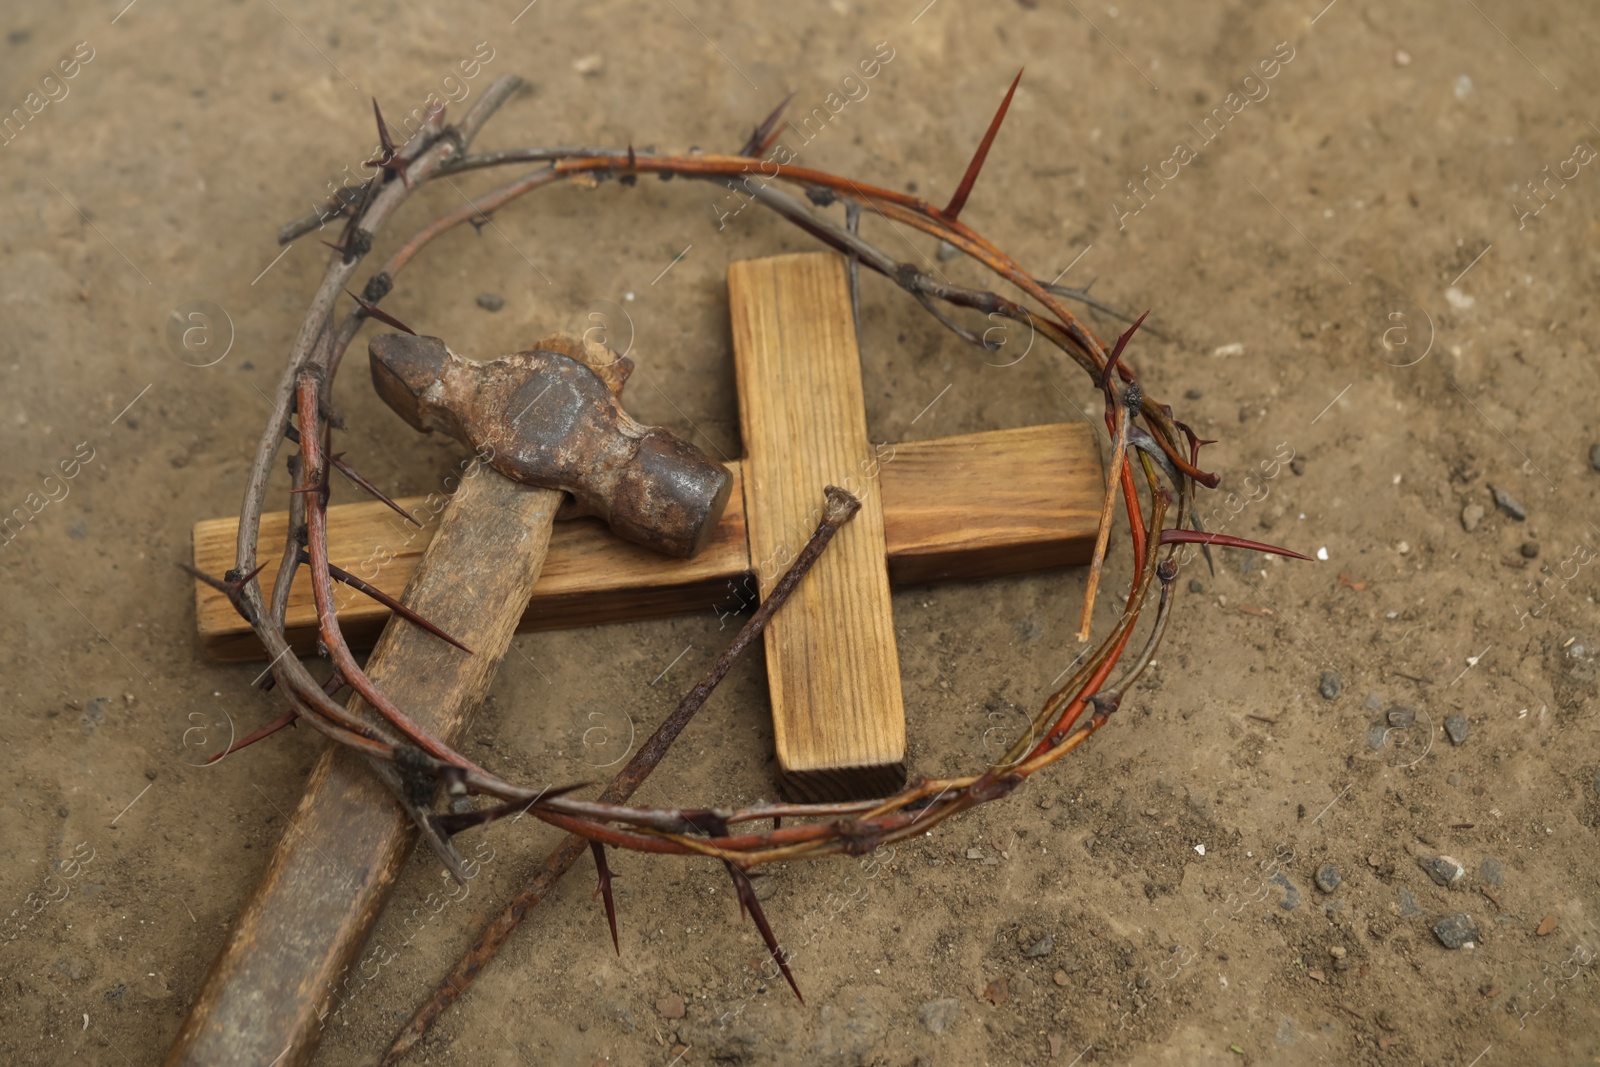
point(1149, 448)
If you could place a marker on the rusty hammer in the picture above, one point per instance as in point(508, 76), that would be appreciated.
point(553, 422)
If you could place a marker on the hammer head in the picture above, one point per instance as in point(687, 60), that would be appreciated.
point(549, 420)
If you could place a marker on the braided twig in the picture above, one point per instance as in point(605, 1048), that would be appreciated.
point(1147, 444)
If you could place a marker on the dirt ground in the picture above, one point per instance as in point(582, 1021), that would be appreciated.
point(1377, 257)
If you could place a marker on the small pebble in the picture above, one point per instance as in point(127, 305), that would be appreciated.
point(1195, 394)
point(1060, 978)
point(1374, 702)
point(1042, 947)
point(1456, 931)
point(1455, 778)
point(948, 251)
point(1456, 727)
point(1402, 58)
point(939, 1015)
point(1329, 686)
point(1328, 878)
point(1471, 515)
point(1445, 870)
point(1408, 903)
point(1196, 586)
point(491, 302)
point(1401, 717)
point(1594, 456)
point(671, 1007)
point(1337, 952)
point(1530, 550)
point(1492, 871)
point(1298, 465)
point(1508, 504)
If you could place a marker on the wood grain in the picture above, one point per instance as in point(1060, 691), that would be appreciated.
point(282, 966)
point(983, 505)
point(975, 506)
point(832, 664)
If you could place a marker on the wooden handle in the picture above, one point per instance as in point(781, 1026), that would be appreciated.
point(293, 950)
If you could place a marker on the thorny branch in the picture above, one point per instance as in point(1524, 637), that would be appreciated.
point(439, 150)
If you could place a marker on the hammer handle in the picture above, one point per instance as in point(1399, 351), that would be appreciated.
point(292, 955)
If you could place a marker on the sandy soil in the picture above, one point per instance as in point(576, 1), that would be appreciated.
point(1353, 267)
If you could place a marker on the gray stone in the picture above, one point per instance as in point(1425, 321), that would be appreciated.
point(1042, 947)
point(1196, 585)
point(1291, 899)
point(1594, 456)
point(1328, 878)
point(491, 302)
point(847, 1036)
point(1401, 717)
point(1329, 685)
point(1408, 903)
point(1456, 727)
point(948, 251)
point(1530, 550)
point(1492, 871)
point(1445, 870)
point(1471, 515)
point(939, 1015)
point(1374, 702)
point(1456, 931)
point(1508, 504)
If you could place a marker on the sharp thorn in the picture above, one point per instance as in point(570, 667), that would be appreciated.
point(382, 316)
point(749, 903)
point(286, 719)
point(959, 201)
point(604, 889)
point(350, 472)
point(762, 137)
point(387, 601)
point(1190, 537)
point(1116, 351)
point(386, 157)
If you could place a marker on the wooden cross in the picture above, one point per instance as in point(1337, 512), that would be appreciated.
point(972, 506)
